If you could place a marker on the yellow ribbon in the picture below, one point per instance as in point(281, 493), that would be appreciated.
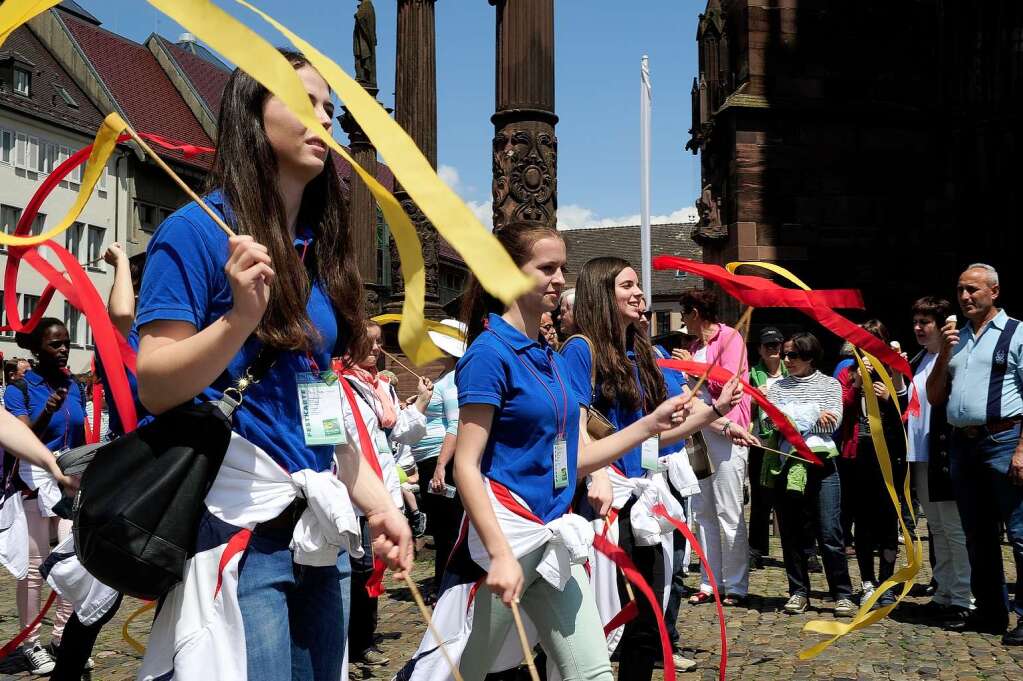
point(129, 639)
point(482, 253)
point(14, 13)
point(102, 147)
point(450, 331)
point(905, 575)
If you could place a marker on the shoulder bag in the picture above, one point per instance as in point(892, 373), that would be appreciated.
point(597, 425)
point(137, 512)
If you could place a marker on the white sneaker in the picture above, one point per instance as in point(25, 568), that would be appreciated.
point(868, 591)
point(683, 664)
point(39, 661)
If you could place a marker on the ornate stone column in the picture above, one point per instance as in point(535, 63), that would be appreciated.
point(415, 110)
point(525, 150)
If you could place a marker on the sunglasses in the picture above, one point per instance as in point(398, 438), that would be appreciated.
point(795, 355)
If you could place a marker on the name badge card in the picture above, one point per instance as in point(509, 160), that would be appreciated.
point(651, 454)
point(319, 399)
point(560, 463)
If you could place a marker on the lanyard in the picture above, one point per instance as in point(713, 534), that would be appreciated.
point(561, 420)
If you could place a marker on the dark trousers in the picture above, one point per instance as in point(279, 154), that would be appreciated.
point(76, 645)
point(362, 626)
point(813, 517)
point(877, 522)
point(847, 472)
point(760, 506)
point(443, 516)
point(987, 497)
point(641, 643)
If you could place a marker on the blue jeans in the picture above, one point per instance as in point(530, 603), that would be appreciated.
point(985, 495)
point(308, 644)
point(814, 516)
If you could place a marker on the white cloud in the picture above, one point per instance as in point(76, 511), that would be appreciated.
point(449, 175)
point(574, 216)
point(483, 211)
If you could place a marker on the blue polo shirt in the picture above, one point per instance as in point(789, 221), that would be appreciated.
point(184, 280)
point(970, 369)
point(577, 357)
point(143, 416)
point(67, 424)
point(527, 384)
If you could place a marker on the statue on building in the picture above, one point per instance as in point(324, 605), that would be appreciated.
point(364, 44)
point(709, 227)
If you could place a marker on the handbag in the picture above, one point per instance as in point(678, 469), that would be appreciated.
point(597, 425)
point(699, 455)
point(137, 512)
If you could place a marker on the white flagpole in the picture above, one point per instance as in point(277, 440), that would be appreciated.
point(644, 175)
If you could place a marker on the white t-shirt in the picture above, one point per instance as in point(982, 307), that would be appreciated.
point(919, 427)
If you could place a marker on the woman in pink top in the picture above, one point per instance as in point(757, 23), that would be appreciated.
point(718, 507)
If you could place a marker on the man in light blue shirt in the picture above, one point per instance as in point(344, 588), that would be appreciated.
point(979, 369)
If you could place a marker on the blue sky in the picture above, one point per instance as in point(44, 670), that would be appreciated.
point(599, 44)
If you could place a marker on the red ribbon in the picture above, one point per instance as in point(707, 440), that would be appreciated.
point(660, 510)
point(375, 585)
point(27, 631)
point(617, 556)
point(721, 375)
point(79, 291)
point(760, 292)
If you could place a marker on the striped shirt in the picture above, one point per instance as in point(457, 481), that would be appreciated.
point(814, 389)
point(441, 418)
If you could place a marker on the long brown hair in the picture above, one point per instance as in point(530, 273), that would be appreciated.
point(245, 168)
point(518, 239)
point(598, 318)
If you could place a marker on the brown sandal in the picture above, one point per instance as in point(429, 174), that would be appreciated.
point(700, 597)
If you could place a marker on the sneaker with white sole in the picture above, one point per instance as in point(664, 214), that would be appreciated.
point(868, 591)
point(797, 604)
point(683, 664)
point(845, 608)
point(39, 661)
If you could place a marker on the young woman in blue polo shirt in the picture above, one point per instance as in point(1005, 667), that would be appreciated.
point(288, 282)
point(520, 440)
point(51, 403)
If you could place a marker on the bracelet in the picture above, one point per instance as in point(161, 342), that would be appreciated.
point(716, 411)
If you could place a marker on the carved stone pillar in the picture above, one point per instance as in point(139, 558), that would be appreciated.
point(415, 110)
point(525, 149)
point(362, 209)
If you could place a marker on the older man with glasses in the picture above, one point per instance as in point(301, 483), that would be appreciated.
point(762, 376)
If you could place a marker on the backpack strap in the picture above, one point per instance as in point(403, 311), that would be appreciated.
point(22, 385)
point(999, 366)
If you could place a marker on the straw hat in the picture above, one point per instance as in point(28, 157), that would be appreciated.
point(455, 348)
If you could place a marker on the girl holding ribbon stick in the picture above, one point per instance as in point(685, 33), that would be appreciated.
point(265, 595)
point(613, 364)
point(519, 451)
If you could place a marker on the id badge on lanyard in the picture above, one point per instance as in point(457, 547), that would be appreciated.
point(560, 463)
point(319, 399)
point(651, 454)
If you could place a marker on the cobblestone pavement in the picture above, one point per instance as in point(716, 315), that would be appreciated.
point(763, 641)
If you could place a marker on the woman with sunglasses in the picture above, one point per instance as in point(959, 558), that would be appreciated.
point(50, 401)
point(808, 497)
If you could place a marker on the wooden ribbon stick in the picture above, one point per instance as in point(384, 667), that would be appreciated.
point(181, 183)
point(527, 651)
point(400, 363)
point(418, 597)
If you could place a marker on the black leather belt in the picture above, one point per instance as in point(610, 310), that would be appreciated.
point(285, 522)
point(974, 432)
